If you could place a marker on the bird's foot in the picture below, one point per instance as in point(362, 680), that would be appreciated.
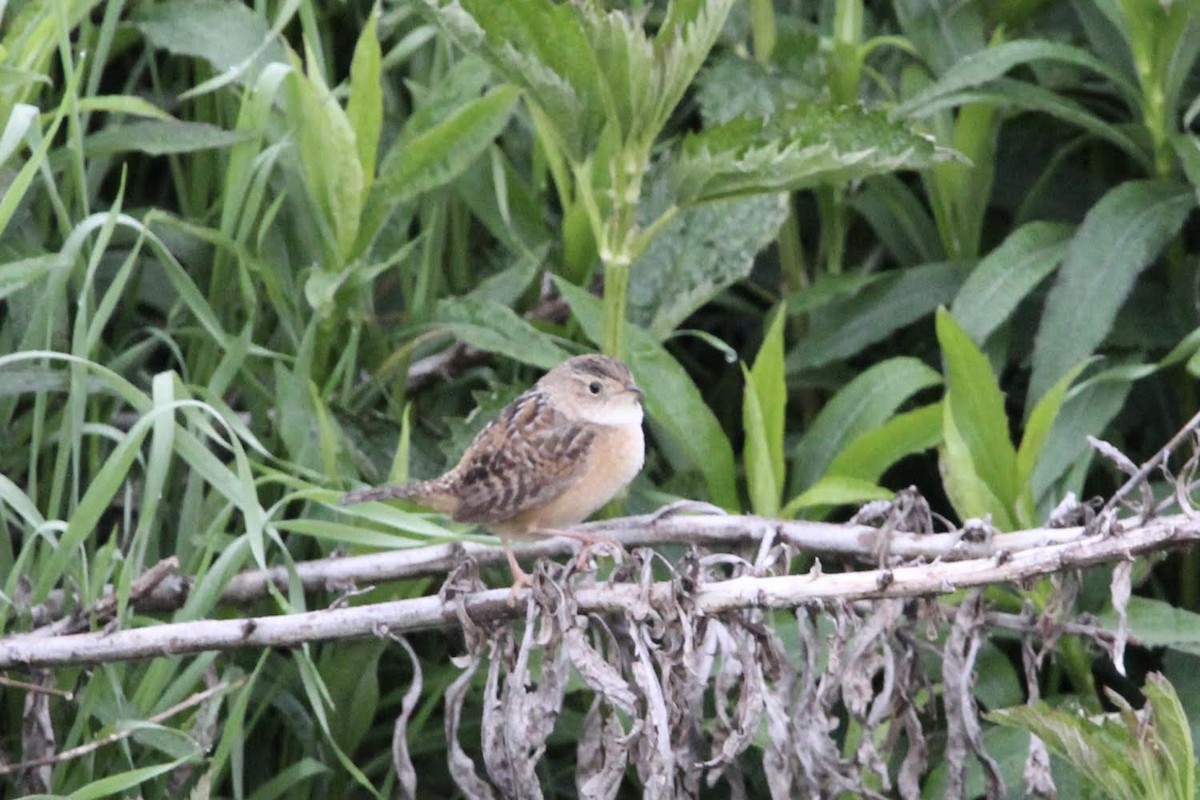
point(591, 542)
point(521, 578)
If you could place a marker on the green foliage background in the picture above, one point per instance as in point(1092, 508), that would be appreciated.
point(947, 240)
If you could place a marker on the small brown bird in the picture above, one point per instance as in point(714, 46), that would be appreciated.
point(550, 459)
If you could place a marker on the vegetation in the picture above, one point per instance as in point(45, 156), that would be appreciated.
point(254, 255)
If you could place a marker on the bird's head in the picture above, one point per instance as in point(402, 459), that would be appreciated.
point(594, 388)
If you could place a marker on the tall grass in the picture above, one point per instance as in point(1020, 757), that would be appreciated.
point(228, 231)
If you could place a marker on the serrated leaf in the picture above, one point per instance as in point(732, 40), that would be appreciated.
point(540, 47)
point(975, 405)
point(437, 155)
point(1099, 750)
point(673, 403)
point(1007, 275)
point(732, 84)
point(797, 148)
point(860, 406)
point(848, 325)
point(1173, 732)
point(703, 252)
point(1120, 236)
point(874, 451)
point(589, 70)
point(160, 137)
point(496, 328)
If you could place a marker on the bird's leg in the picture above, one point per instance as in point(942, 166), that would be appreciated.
point(521, 578)
point(589, 541)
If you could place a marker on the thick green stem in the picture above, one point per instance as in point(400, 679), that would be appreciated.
point(616, 299)
point(831, 205)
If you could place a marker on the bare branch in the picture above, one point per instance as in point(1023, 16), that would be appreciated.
point(861, 542)
point(1139, 477)
point(785, 591)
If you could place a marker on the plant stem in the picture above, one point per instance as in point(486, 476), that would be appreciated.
point(616, 300)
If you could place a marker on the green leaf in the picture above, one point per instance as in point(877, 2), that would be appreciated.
point(673, 403)
point(1100, 750)
point(835, 490)
point(1033, 441)
point(226, 35)
point(328, 156)
point(764, 406)
point(160, 137)
point(496, 328)
point(862, 405)
point(969, 493)
point(437, 155)
point(123, 104)
point(542, 48)
point(977, 427)
point(123, 781)
point(900, 219)
point(355, 692)
point(700, 254)
point(1172, 730)
point(1007, 275)
point(16, 275)
point(1014, 97)
point(1119, 238)
point(1159, 624)
point(982, 66)
point(287, 781)
point(1187, 148)
point(1087, 410)
point(874, 451)
point(1124, 754)
point(364, 108)
point(732, 85)
point(881, 307)
point(760, 477)
point(589, 71)
point(800, 147)
point(771, 389)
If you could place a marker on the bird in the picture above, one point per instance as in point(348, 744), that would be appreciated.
point(549, 459)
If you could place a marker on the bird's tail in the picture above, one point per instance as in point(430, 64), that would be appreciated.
point(428, 493)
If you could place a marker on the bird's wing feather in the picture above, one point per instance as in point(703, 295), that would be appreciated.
point(528, 456)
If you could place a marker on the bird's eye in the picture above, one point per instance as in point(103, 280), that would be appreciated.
point(594, 387)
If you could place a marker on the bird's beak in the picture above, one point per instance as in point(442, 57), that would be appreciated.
point(632, 387)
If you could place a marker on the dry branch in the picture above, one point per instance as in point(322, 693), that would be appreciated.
point(861, 542)
point(714, 598)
